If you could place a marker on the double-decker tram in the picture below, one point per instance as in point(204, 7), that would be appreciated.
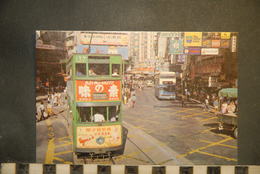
point(94, 92)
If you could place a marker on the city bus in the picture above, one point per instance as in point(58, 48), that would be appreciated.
point(94, 94)
point(165, 85)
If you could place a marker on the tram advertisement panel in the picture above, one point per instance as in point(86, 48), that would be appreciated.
point(99, 137)
point(108, 90)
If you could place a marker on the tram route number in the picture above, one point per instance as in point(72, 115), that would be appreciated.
point(100, 96)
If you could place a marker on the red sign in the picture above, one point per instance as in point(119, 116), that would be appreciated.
point(87, 90)
point(215, 43)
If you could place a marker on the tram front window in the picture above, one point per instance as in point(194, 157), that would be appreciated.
point(80, 69)
point(100, 114)
point(98, 69)
point(115, 69)
point(114, 113)
point(84, 114)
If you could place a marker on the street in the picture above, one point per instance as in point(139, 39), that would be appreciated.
point(159, 132)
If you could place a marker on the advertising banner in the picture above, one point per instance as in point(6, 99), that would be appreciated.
point(99, 137)
point(176, 47)
point(192, 39)
point(206, 43)
point(104, 49)
point(215, 43)
point(171, 34)
point(108, 90)
point(225, 43)
point(225, 35)
point(104, 38)
point(192, 51)
point(209, 51)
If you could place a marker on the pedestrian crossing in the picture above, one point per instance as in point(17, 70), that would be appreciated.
point(16, 168)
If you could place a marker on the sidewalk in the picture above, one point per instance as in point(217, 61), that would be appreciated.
point(159, 152)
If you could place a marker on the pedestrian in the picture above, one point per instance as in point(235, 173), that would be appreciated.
point(49, 109)
point(182, 101)
point(133, 99)
point(206, 104)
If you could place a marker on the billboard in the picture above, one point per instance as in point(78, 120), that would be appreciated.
point(225, 35)
point(99, 137)
point(104, 49)
point(176, 47)
point(103, 38)
point(192, 51)
point(98, 90)
point(209, 51)
point(192, 39)
point(215, 43)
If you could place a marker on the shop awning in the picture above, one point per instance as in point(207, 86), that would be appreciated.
point(228, 92)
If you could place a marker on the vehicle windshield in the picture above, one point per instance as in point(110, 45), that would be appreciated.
point(169, 88)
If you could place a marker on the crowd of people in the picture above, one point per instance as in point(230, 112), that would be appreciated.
point(44, 109)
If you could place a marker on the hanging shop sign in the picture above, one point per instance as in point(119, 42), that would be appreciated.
point(176, 47)
point(225, 35)
point(206, 43)
point(215, 43)
point(225, 43)
point(209, 51)
point(192, 39)
point(192, 51)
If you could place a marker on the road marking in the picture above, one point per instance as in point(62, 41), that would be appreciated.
point(204, 147)
point(192, 115)
point(62, 138)
point(217, 156)
point(225, 145)
point(208, 119)
point(50, 152)
point(63, 152)
point(207, 130)
point(185, 110)
point(51, 146)
point(62, 145)
point(58, 159)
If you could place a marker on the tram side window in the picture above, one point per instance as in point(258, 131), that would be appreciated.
point(98, 69)
point(81, 69)
point(115, 69)
point(84, 114)
point(100, 114)
point(114, 112)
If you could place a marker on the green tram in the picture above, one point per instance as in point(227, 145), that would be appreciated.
point(94, 93)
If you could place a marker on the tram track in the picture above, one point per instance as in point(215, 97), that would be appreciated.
point(151, 160)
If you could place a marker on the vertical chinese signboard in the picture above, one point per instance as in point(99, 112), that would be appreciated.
point(108, 90)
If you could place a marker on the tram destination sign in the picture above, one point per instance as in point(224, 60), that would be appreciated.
point(97, 90)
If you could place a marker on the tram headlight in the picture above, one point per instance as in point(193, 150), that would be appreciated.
point(100, 140)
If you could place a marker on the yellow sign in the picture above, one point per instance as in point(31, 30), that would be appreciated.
point(225, 35)
point(99, 136)
point(192, 39)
